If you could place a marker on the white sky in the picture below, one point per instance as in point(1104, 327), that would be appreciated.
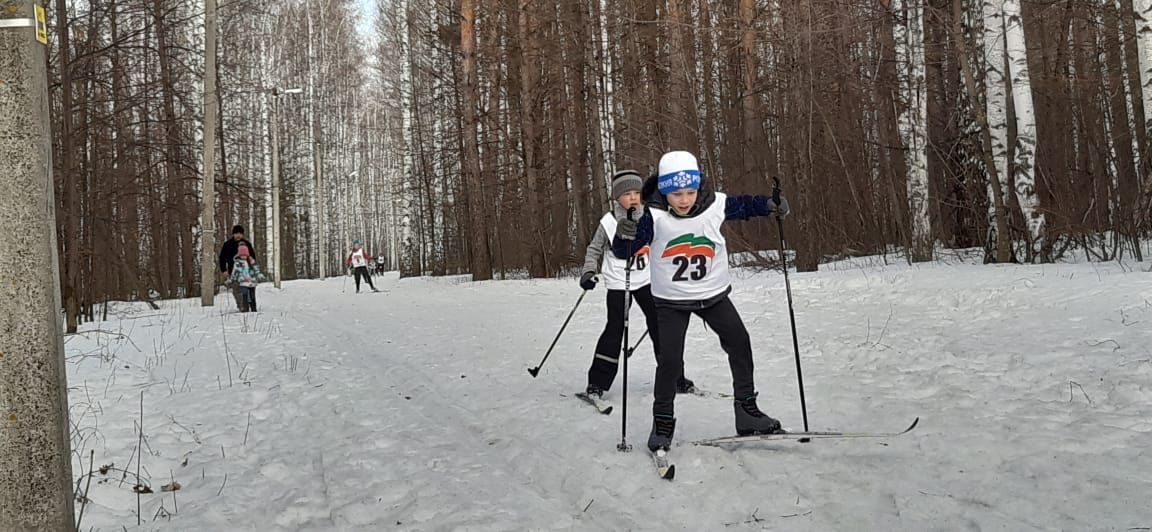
point(367, 9)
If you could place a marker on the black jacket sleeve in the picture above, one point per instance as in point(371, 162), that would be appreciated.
point(745, 207)
point(227, 253)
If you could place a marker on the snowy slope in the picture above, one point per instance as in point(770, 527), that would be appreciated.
point(412, 409)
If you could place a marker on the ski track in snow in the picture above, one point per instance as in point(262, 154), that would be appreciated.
point(412, 410)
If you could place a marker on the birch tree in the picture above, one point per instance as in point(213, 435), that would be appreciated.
point(996, 100)
point(1143, 15)
point(1025, 148)
point(913, 120)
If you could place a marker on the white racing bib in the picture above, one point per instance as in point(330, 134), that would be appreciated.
point(358, 258)
point(612, 268)
point(689, 255)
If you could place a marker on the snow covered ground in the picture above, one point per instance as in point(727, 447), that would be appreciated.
point(412, 409)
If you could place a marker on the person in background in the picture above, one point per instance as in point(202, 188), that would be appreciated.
point(358, 260)
point(228, 253)
point(245, 276)
point(381, 264)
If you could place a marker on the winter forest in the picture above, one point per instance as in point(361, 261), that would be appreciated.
point(462, 136)
point(945, 325)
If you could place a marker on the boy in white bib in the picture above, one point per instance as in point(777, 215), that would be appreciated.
point(626, 185)
point(689, 263)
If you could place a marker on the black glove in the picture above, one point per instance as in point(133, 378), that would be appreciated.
point(781, 208)
point(588, 280)
point(626, 226)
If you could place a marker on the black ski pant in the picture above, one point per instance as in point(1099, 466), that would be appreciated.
point(720, 317)
point(606, 361)
point(363, 271)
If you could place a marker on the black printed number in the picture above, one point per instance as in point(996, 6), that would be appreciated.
point(682, 263)
point(641, 262)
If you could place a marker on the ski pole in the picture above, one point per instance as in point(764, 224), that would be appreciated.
point(791, 312)
point(623, 446)
point(536, 370)
point(638, 342)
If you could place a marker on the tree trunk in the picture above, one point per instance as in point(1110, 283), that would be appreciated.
point(1025, 148)
point(70, 178)
point(1143, 11)
point(314, 198)
point(753, 147)
point(682, 126)
point(995, 85)
point(913, 120)
point(710, 152)
point(481, 257)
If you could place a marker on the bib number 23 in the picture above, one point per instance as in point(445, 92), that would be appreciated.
point(698, 265)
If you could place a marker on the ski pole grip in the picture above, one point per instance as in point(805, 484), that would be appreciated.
point(631, 211)
point(776, 190)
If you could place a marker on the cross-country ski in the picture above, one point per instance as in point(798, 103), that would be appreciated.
point(802, 436)
point(602, 406)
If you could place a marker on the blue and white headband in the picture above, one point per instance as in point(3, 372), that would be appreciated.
point(670, 183)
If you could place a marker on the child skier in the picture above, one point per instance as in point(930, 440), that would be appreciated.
point(246, 275)
point(358, 260)
point(690, 276)
point(626, 185)
point(381, 264)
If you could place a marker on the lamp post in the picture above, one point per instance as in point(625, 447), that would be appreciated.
point(276, 255)
point(211, 115)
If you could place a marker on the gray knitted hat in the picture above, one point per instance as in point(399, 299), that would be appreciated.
point(626, 181)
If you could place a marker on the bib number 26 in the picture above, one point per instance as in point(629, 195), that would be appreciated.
point(698, 263)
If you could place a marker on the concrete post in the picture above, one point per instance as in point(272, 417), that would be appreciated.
point(276, 265)
point(35, 460)
point(208, 262)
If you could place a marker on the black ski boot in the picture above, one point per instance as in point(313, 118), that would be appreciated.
point(662, 428)
point(750, 420)
point(684, 385)
point(594, 391)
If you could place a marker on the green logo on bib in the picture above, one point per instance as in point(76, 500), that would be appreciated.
point(690, 251)
point(690, 245)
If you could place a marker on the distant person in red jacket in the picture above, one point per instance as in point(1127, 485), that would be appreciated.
point(358, 260)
